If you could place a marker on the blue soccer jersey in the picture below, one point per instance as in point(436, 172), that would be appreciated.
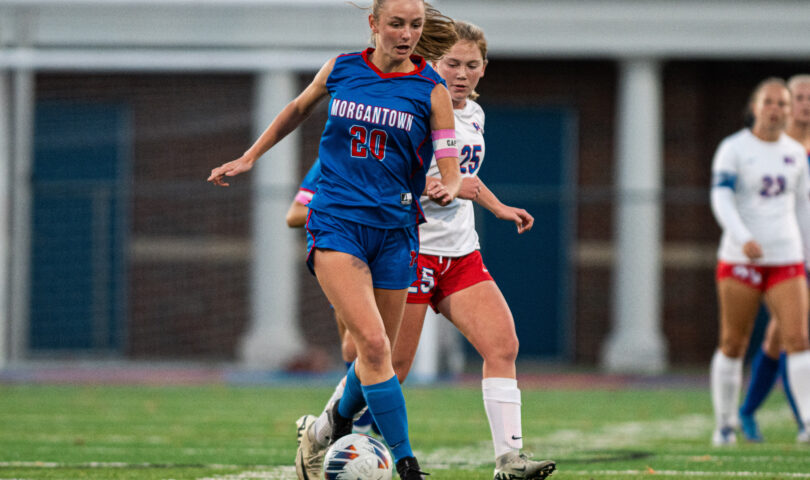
point(309, 184)
point(310, 181)
point(376, 145)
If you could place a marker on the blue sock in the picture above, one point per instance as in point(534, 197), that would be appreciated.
point(788, 391)
point(352, 400)
point(387, 406)
point(764, 371)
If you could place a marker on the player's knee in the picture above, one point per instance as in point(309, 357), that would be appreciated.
point(402, 366)
point(733, 348)
point(796, 344)
point(348, 351)
point(504, 351)
point(376, 349)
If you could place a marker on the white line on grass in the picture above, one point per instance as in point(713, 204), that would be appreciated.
point(687, 473)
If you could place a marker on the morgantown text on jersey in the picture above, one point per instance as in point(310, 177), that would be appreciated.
point(371, 114)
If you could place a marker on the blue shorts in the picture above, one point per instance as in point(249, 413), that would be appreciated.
point(390, 253)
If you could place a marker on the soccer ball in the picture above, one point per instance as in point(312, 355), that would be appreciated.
point(357, 457)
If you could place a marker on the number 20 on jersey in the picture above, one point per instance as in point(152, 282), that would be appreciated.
point(365, 142)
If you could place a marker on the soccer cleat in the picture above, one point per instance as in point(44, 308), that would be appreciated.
point(341, 426)
point(724, 437)
point(517, 466)
point(408, 469)
point(309, 456)
point(750, 429)
point(803, 436)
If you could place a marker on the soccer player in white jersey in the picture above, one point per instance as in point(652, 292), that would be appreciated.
point(759, 196)
point(769, 361)
point(451, 276)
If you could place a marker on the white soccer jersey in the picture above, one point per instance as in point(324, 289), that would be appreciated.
point(760, 192)
point(450, 230)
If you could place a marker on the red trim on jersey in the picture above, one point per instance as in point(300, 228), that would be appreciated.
point(306, 227)
point(419, 64)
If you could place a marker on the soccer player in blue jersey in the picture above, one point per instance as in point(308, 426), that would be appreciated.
point(389, 113)
point(769, 362)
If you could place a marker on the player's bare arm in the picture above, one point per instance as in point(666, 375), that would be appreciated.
point(522, 219)
point(285, 122)
point(442, 118)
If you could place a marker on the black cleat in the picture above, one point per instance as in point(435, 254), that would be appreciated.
point(408, 469)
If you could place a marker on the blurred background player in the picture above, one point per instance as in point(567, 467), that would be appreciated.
point(389, 112)
point(297, 218)
point(769, 361)
point(451, 276)
point(759, 196)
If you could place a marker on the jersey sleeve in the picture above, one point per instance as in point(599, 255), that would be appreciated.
point(310, 184)
point(724, 185)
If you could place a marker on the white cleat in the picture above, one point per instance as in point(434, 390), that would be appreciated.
point(309, 456)
point(803, 437)
point(724, 437)
point(517, 466)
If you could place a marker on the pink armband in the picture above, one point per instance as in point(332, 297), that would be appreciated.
point(444, 143)
point(303, 197)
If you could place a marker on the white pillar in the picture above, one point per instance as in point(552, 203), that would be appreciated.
point(5, 214)
point(636, 343)
point(20, 262)
point(273, 337)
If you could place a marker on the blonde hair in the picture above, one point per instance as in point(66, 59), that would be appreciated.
point(472, 33)
point(768, 81)
point(797, 80)
point(438, 33)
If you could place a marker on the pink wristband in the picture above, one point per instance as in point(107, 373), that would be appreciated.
point(303, 197)
point(444, 143)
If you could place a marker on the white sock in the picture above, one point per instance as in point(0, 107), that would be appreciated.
point(726, 381)
point(321, 430)
point(798, 372)
point(502, 403)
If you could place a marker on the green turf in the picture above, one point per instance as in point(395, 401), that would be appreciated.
point(222, 432)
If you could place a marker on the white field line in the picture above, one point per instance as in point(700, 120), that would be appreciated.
point(686, 473)
point(559, 442)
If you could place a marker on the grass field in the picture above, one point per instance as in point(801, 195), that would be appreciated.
point(232, 432)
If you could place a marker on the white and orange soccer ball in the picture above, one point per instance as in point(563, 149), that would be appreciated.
point(357, 457)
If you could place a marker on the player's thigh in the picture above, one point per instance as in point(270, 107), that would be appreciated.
point(788, 301)
point(346, 281)
point(391, 305)
point(481, 314)
point(739, 304)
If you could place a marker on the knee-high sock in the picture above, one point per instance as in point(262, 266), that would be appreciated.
point(764, 371)
point(352, 400)
point(502, 404)
point(321, 431)
point(387, 405)
point(726, 380)
point(798, 369)
point(788, 392)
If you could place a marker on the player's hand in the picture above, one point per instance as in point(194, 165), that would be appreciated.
point(470, 188)
point(522, 219)
point(437, 192)
point(230, 169)
point(752, 250)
